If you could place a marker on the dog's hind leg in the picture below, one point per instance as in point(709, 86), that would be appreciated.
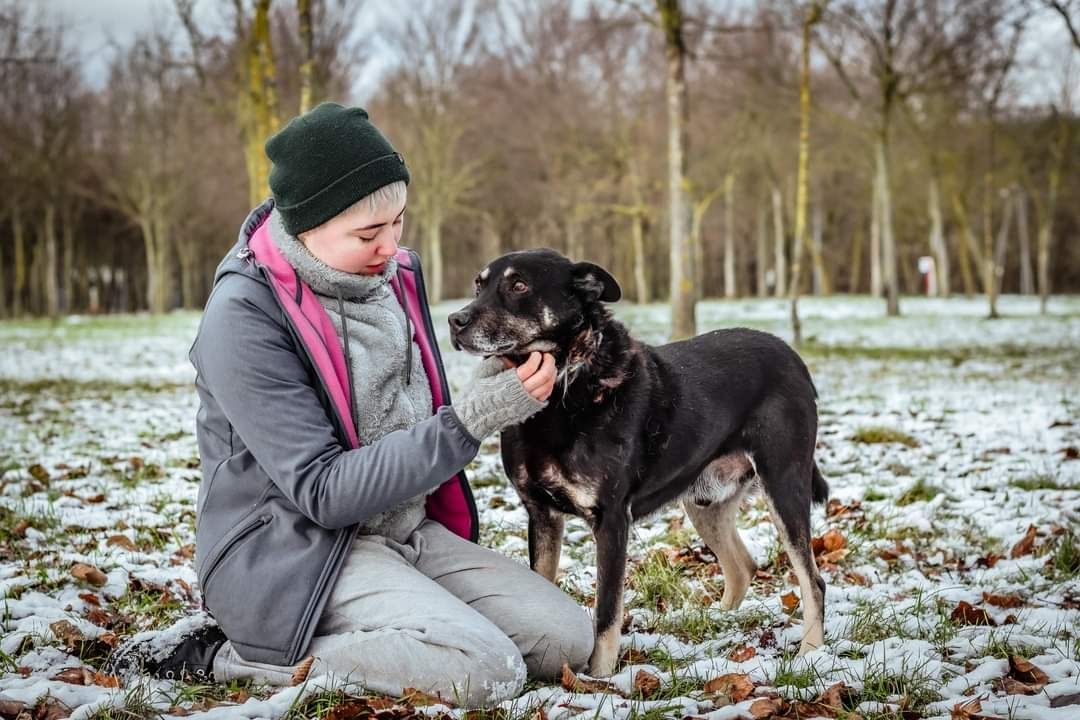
point(789, 505)
point(715, 523)
point(545, 540)
point(612, 531)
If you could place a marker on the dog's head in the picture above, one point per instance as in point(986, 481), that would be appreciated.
point(529, 300)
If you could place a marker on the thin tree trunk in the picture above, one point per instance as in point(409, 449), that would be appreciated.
point(307, 64)
point(641, 283)
point(937, 239)
point(3, 285)
point(18, 232)
point(821, 285)
point(888, 240)
point(435, 256)
point(1046, 218)
point(875, 238)
point(67, 275)
point(1027, 274)
point(988, 269)
point(762, 248)
point(855, 271)
point(50, 261)
point(730, 289)
point(968, 247)
point(779, 243)
point(683, 307)
point(1001, 246)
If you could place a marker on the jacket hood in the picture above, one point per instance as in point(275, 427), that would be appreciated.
point(234, 260)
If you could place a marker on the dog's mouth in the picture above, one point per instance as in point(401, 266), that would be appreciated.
point(509, 348)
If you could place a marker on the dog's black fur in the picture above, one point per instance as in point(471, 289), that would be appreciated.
point(630, 428)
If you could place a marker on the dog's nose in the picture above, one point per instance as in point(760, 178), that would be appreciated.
point(460, 320)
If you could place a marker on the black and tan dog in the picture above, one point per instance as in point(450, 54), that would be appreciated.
point(631, 427)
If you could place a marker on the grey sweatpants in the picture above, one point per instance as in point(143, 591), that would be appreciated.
point(439, 614)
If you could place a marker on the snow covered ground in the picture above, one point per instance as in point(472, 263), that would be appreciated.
point(951, 548)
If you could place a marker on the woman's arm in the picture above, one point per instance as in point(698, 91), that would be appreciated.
point(249, 363)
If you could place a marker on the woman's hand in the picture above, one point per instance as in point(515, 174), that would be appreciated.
point(537, 374)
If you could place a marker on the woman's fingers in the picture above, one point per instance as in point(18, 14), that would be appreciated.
point(542, 382)
point(528, 368)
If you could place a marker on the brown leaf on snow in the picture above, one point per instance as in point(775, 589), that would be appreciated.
point(1002, 601)
point(122, 541)
point(766, 708)
point(90, 598)
point(735, 686)
point(634, 656)
point(790, 601)
point(646, 683)
point(105, 680)
point(743, 654)
point(11, 708)
point(1071, 453)
point(1026, 546)
point(89, 573)
point(836, 696)
point(20, 528)
point(970, 710)
point(967, 614)
point(572, 683)
point(75, 676)
point(1025, 671)
point(1012, 686)
point(836, 509)
point(67, 633)
point(1065, 700)
point(51, 709)
point(419, 698)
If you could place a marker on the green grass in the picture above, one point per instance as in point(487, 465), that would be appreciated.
point(659, 582)
point(921, 491)
point(882, 434)
point(1040, 482)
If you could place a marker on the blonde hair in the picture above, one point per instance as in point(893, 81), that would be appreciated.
point(388, 195)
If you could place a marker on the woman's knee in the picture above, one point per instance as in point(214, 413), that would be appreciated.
point(563, 634)
point(498, 673)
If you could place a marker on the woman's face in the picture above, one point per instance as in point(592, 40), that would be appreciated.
point(360, 241)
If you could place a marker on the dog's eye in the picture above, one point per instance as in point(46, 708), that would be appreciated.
point(519, 287)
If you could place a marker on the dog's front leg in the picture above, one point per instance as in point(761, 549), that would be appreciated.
point(545, 540)
point(612, 535)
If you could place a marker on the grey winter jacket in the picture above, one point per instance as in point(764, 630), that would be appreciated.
point(283, 487)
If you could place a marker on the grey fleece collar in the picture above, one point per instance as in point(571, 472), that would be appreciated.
point(322, 278)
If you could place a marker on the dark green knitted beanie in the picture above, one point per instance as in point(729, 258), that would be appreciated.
point(325, 160)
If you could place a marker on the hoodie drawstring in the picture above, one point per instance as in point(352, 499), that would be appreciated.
point(348, 361)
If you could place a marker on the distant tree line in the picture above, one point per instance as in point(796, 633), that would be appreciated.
point(694, 148)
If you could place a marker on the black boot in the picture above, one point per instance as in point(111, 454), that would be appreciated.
point(171, 656)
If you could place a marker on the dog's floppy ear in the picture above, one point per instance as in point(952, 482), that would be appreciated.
point(595, 283)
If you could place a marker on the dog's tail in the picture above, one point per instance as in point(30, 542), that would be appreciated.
point(819, 489)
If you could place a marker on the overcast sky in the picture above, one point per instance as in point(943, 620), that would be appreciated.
point(97, 24)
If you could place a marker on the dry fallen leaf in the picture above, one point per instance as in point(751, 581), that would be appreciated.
point(1025, 671)
point(75, 676)
point(743, 654)
point(89, 573)
point(121, 541)
point(1026, 546)
point(646, 684)
point(735, 686)
point(634, 656)
point(1003, 601)
point(419, 698)
point(572, 683)
point(67, 633)
point(766, 708)
point(967, 614)
point(969, 710)
point(790, 601)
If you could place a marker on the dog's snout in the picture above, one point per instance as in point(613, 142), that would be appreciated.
point(460, 320)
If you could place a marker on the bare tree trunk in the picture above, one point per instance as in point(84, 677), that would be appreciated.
point(435, 257)
point(188, 253)
point(762, 248)
point(937, 239)
point(3, 285)
point(641, 284)
point(683, 307)
point(989, 271)
point(50, 260)
point(822, 286)
point(19, 282)
point(730, 289)
point(1001, 246)
point(1046, 218)
point(875, 238)
point(968, 247)
point(888, 240)
point(855, 271)
point(37, 281)
point(779, 242)
point(1027, 276)
point(67, 274)
point(307, 64)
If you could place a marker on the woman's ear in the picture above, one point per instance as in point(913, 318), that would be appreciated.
point(595, 283)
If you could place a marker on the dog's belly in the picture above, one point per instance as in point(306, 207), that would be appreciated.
point(722, 479)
